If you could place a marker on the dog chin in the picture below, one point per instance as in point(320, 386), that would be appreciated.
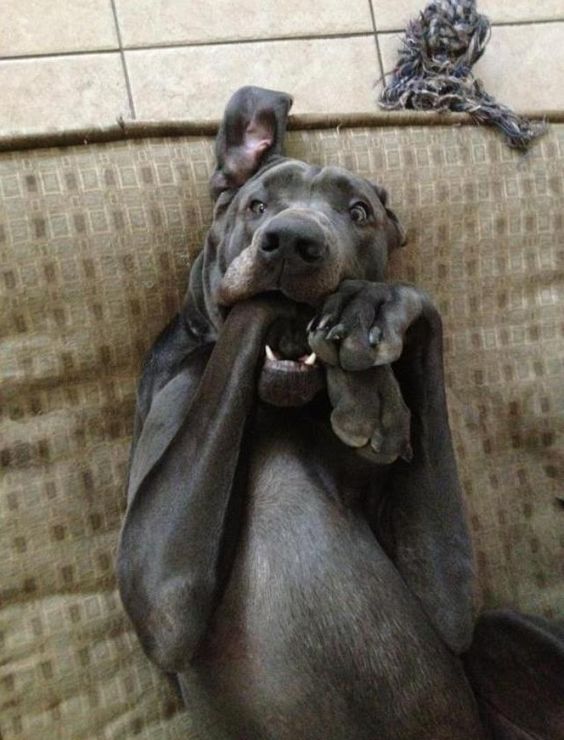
point(287, 383)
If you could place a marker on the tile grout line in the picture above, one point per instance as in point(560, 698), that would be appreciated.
point(124, 63)
point(184, 45)
point(225, 42)
point(498, 24)
point(181, 45)
point(58, 54)
point(234, 42)
point(378, 51)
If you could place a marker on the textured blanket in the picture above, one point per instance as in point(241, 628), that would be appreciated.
point(95, 245)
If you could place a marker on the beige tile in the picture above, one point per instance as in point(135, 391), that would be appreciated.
point(144, 22)
point(503, 11)
point(329, 75)
point(61, 92)
point(389, 44)
point(47, 26)
point(393, 16)
point(523, 66)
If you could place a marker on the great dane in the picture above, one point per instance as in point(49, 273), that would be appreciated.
point(295, 550)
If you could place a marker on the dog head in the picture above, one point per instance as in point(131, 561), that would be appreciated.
point(287, 227)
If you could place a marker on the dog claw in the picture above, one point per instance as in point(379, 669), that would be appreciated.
point(407, 453)
point(324, 322)
point(375, 336)
point(337, 332)
point(377, 441)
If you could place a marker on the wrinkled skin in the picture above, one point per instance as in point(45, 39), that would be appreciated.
point(295, 549)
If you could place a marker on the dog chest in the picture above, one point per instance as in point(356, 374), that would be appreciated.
point(315, 627)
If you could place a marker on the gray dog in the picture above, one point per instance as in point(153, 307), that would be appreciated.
point(295, 549)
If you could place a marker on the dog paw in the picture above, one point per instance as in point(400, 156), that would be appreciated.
point(369, 413)
point(363, 324)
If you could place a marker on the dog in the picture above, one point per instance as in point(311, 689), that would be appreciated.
point(295, 550)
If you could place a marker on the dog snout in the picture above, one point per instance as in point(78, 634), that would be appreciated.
point(297, 241)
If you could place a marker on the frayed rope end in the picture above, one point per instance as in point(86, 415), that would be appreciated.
point(434, 71)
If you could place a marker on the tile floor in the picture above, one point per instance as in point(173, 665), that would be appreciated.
point(71, 64)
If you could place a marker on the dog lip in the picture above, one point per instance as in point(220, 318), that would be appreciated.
point(285, 382)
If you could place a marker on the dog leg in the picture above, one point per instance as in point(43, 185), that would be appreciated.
point(169, 563)
point(369, 413)
point(367, 325)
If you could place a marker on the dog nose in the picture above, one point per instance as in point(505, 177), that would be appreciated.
point(298, 241)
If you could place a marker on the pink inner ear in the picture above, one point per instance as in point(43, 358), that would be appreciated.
point(257, 140)
point(255, 148)
point(243, 160)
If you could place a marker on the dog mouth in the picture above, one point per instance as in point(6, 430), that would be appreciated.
point(291, 374)
point(305, 363)
point(286, 382)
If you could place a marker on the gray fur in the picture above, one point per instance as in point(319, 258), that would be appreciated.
point(298, 586)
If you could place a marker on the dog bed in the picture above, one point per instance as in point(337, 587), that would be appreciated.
point(96, 243)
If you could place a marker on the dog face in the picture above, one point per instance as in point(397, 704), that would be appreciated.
point(302, 230)
point(287, 227)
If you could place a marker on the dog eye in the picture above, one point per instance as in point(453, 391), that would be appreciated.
point(257, 207)
point(359, 213)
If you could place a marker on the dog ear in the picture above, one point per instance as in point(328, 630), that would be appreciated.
point(252, 131)
point(399, 232)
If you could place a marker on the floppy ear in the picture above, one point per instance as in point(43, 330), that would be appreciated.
point(399, 238)
point(252, 131)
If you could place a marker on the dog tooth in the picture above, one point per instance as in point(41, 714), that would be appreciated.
point(311, 359)
point(269, 353)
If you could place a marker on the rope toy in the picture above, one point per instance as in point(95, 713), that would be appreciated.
point(434, 71)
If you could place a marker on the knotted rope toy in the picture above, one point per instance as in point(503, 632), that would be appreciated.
point(434, 71)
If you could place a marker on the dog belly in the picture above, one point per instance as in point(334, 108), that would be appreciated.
point(316, 635)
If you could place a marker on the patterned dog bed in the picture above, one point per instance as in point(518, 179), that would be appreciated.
point(95, 246)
